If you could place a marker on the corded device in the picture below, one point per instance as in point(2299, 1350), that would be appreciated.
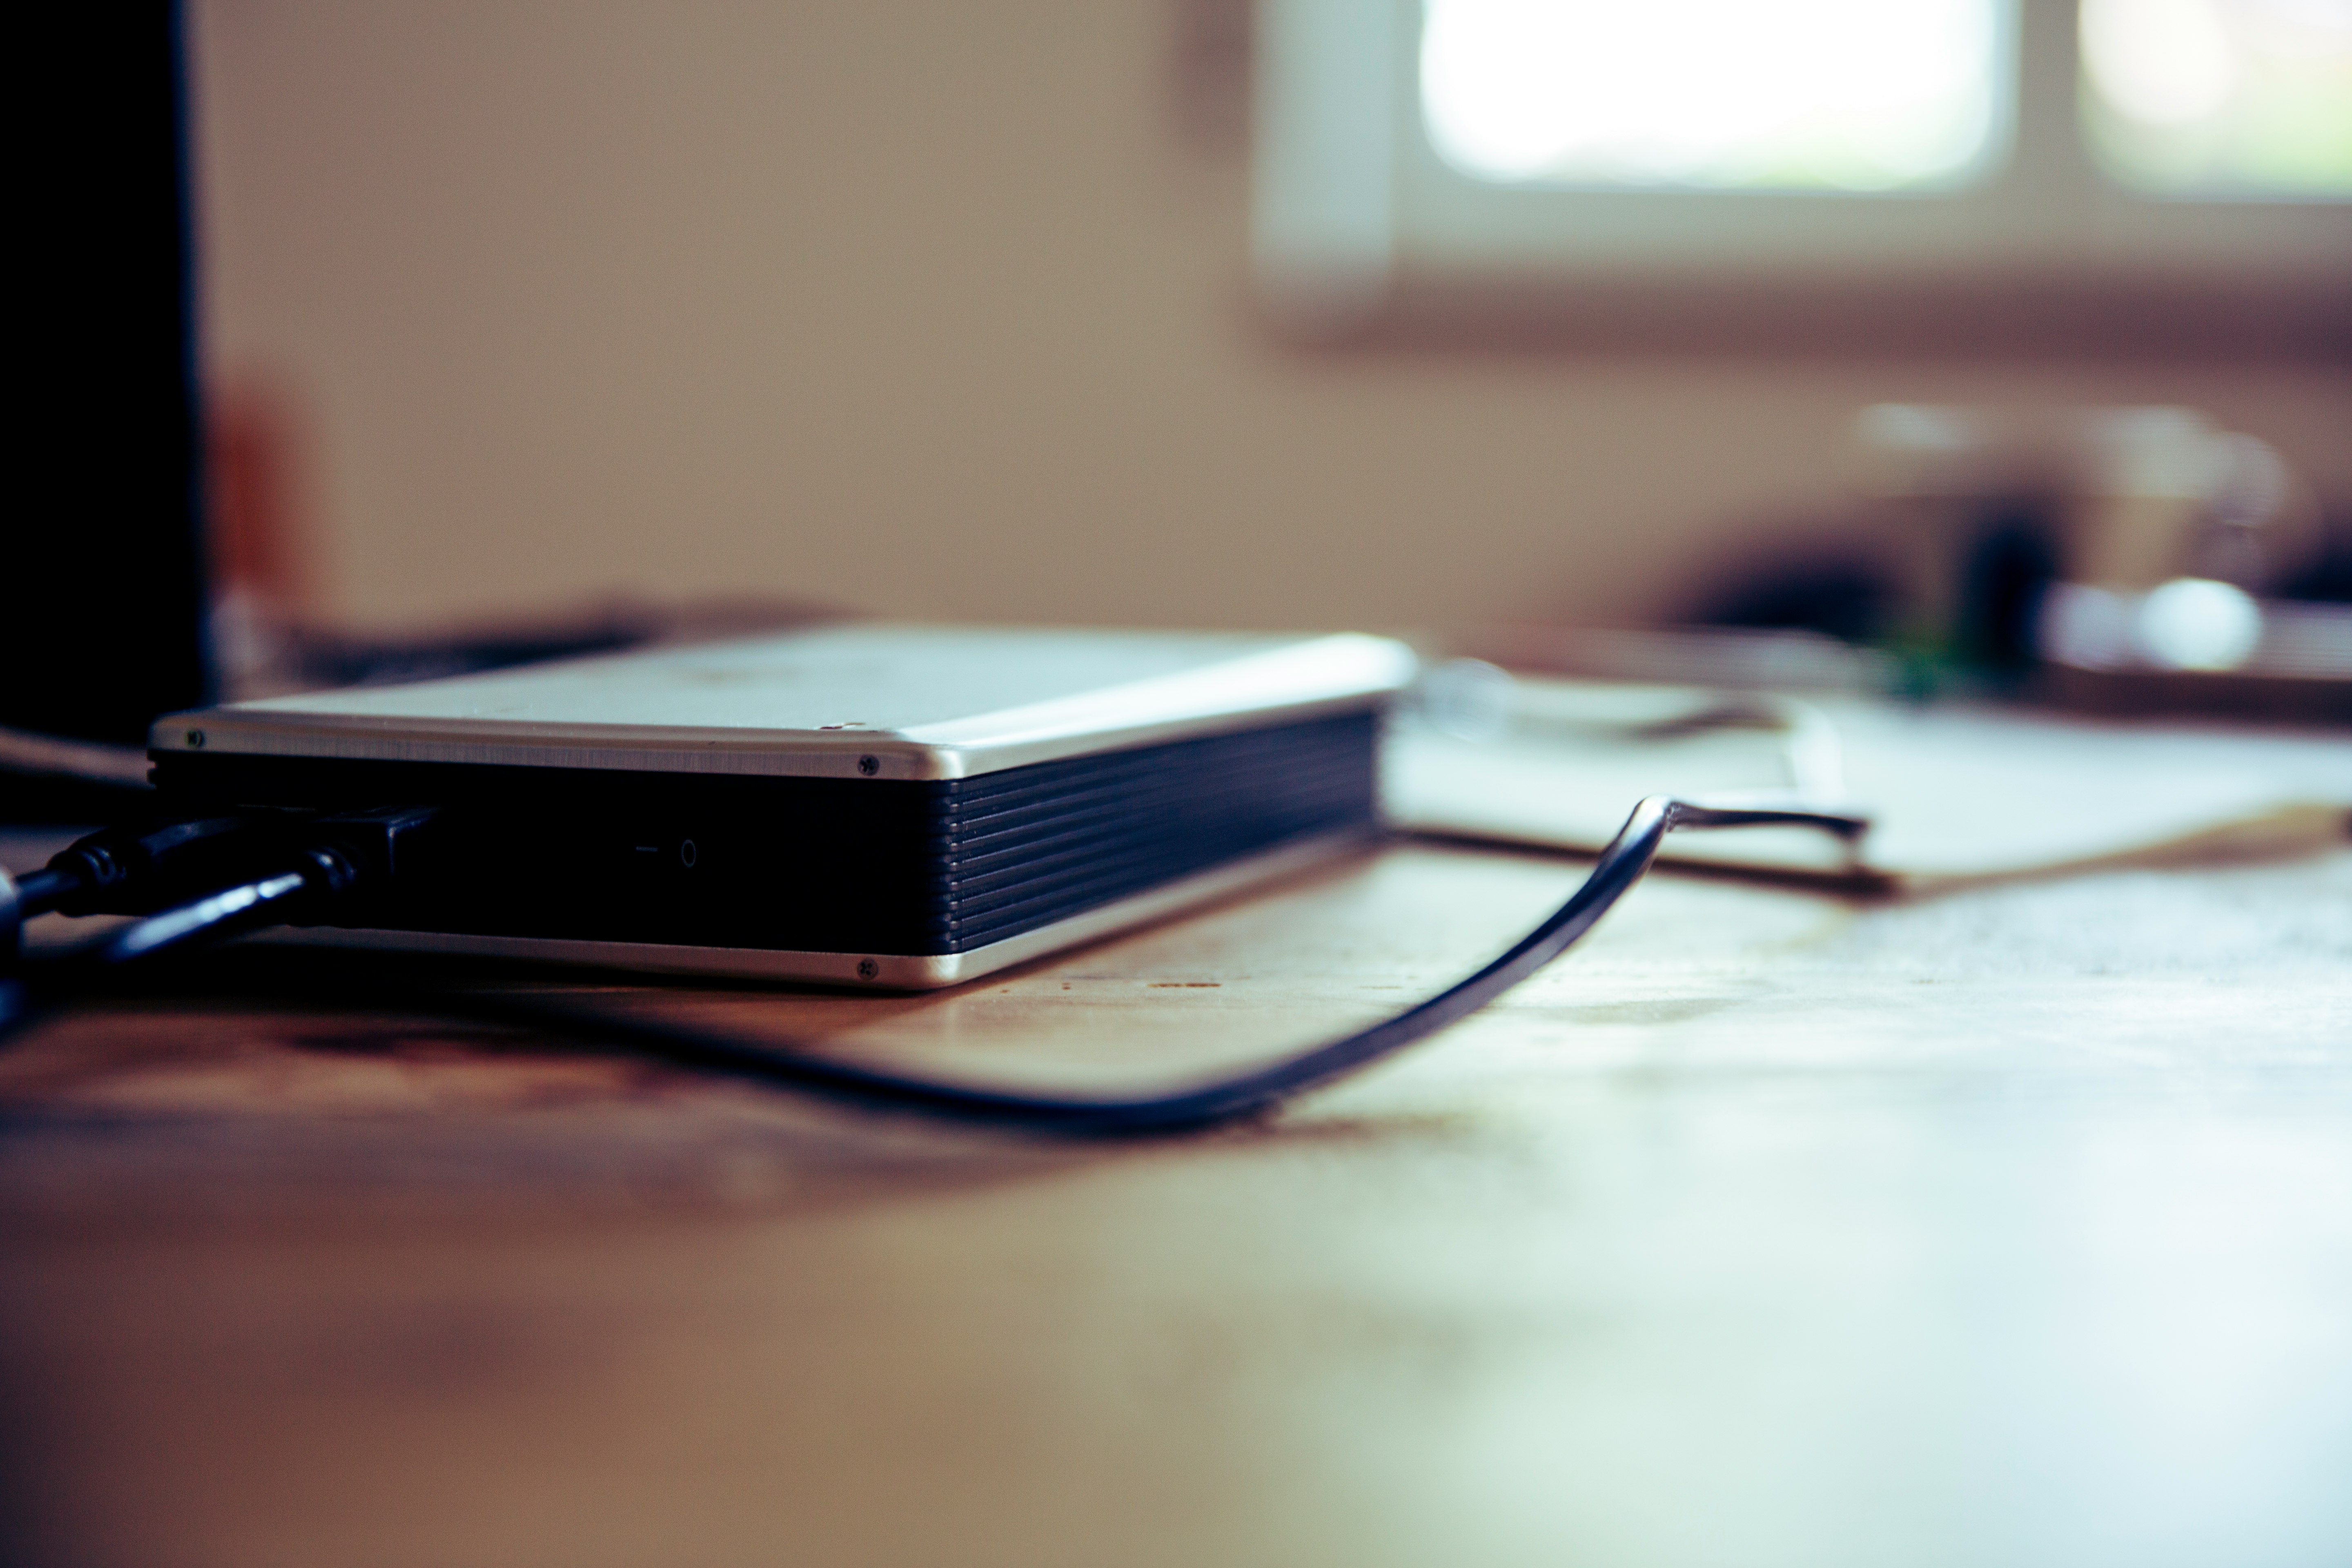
point(880, 806)
point(893, 805)
point(872, 804)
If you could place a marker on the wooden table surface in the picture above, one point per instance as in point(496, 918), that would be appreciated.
point(2012, 1227)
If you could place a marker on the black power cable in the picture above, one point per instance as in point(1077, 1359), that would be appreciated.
point(1183, 1106)
point(350, 854)
point(316, 863)
point(136, 869)
point(45, 985)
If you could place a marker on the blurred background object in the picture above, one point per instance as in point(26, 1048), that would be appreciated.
point(2120, 558)
point(951, 312)
point(533, 330)
point(102, 555)
point(269, 635)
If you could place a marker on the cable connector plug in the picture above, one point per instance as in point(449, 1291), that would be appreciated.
point(359, 854)
point(136, 869)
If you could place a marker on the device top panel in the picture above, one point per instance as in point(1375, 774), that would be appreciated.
point(876, 701)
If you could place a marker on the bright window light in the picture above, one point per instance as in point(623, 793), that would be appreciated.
point(1839, 95)
point(2250, 98)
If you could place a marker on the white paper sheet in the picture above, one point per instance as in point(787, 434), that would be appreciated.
point(1955, 792)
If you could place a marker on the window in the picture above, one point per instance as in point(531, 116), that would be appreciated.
point(2155, 173)
point(2248, 98)
point(1837, 95)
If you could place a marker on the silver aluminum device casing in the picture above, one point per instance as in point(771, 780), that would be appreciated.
point(863, 701)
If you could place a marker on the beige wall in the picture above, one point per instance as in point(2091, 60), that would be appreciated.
point(925, 308)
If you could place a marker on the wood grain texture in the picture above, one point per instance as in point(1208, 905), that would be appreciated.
point(2012, 1226)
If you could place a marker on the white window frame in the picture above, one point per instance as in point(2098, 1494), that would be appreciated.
point(1360, 228)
